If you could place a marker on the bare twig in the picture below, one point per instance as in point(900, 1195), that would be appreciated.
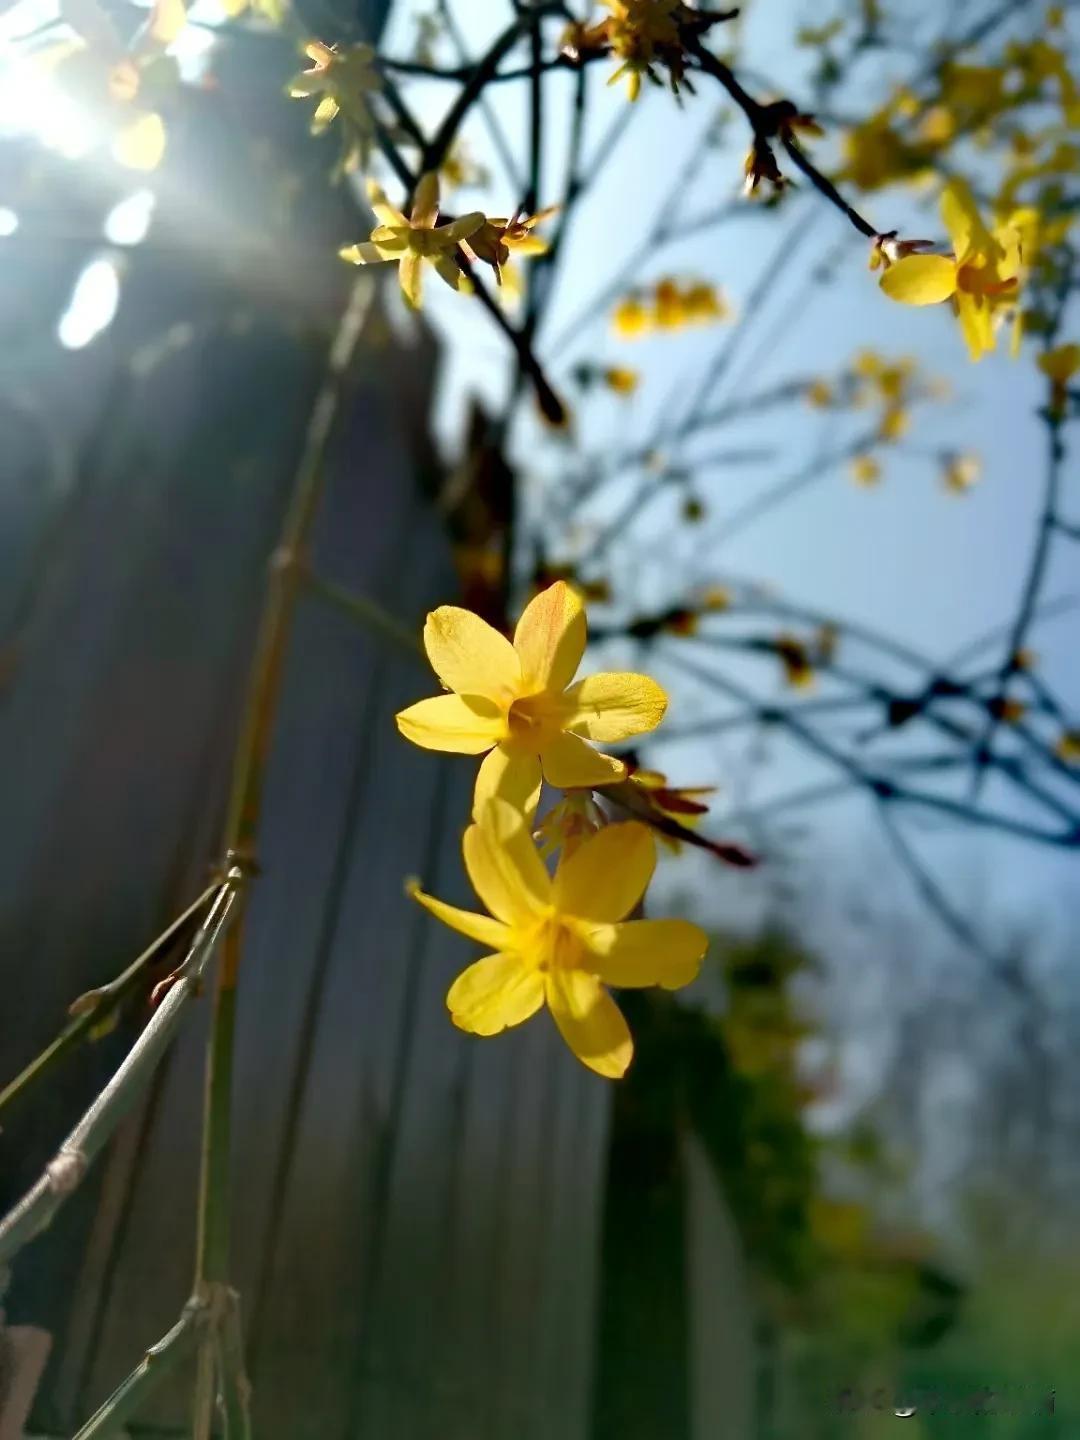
point(67, 1169)
point(92, 1009)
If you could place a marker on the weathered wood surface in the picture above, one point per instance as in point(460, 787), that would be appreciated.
point(415, 1210)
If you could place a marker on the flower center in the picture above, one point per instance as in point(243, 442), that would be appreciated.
point(554, 946)
point(534, 719)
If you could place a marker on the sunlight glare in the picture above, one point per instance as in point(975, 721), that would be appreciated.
point(92, 306)
point(128, 222)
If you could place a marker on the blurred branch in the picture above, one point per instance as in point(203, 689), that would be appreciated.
point(67, 1169)
point(364, 611)
point(92, 1010)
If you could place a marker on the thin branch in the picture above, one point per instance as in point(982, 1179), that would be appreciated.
point(157, 1365)
point(92, 1009)
point(364, 611)
point(68, 1167)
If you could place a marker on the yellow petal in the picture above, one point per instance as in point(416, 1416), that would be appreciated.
point(920, 280)
point(962, 220)
point(448, 722)
point(470, 657)
point(425, 209)
point(647, 952)
point(510, 774)
point(447, 269)
point(590, 1022)
point(977, 323)
point(411, 279)
point(463, 226)
point(384, 211)
point(571, 763)
point(606, 876)
point(477, 927)
point(503, 864)
point(495, 992)
point(550, 638)
point(614, 705)
point(367, 253)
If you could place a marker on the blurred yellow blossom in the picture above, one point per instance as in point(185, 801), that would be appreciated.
point(560, 940)
point(630, 318)
point(461, 170)
point(716, 598)
point(1068, 747)
point(517, 701)
point(865, 470)
point(819, 394)
point(960, 472)
point(670, 304)
point(621, 380)
point(343, 81)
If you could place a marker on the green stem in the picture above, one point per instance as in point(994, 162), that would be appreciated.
point(363, 610)
point(241, 829)
point(91, 1009)
point(157, 1364)
point(67, 1169)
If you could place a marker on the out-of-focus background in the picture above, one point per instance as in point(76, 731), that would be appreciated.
point(837, 1192)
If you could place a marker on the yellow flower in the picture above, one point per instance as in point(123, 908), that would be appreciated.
point(981, 277)
point(622, 381)
point(460, 169)
point(703, 303)
point(819, 394)
point(865, 470)
point(1068, 747)
point(669, 310)
point(876, 155)
point(960, 472)
point(630, 318)
point(716, 598)
point(895, 423)
point(343, 80)
point(559, 940)
point(642, 32)
point(516, 701)
point(1059, 366)
point(496, 239)
point(412, 241)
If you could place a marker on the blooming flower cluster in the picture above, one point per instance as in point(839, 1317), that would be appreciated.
point(892, 387)
point(670, 304)
point(555, 939)
point(643, 35)
point(419, 238)
point(343, 81)
point(981, 277)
